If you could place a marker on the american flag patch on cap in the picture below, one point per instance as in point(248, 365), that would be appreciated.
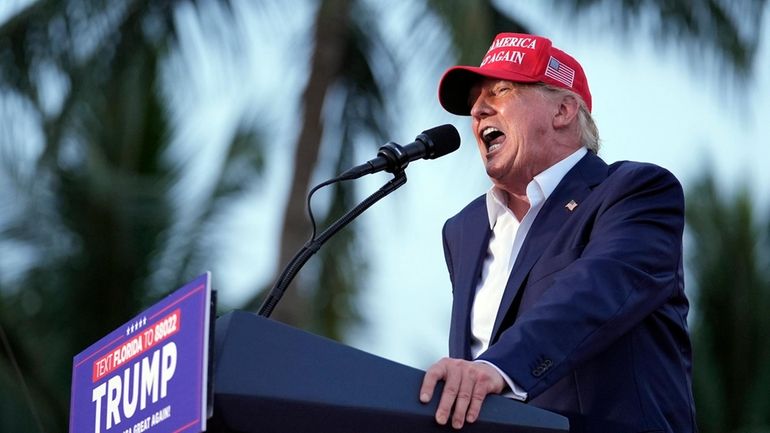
point(560, 72)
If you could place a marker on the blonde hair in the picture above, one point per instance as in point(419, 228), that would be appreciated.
point(589, 133)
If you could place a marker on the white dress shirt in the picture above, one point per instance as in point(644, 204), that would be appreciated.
point(508, 234)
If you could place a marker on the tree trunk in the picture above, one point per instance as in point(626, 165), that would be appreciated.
point(331, 26)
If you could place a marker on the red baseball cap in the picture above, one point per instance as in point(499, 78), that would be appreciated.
point(515, 57)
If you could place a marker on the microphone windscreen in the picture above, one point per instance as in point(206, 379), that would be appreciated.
point(441, 140)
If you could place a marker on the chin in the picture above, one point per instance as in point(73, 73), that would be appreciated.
point(495, 173)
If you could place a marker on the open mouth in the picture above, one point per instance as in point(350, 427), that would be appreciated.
point(492, 137)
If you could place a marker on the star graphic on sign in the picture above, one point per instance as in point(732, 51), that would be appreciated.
point(571, 205)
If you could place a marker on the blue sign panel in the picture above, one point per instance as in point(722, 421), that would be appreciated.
point(149, 375)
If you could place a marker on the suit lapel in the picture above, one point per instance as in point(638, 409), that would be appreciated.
point(575, 186)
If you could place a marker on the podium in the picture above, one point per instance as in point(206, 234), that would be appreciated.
point(270, 377)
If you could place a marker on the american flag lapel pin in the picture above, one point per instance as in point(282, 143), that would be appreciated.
point(571, 205)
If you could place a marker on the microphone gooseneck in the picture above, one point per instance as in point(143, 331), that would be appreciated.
point(391, 157)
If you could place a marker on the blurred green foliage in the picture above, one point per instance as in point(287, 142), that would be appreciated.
point(729, 259)
point(91, 222)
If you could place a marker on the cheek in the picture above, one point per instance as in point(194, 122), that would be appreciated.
point(534, 131)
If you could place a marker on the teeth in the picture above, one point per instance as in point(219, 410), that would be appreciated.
point(487, 131)
point(490, 134)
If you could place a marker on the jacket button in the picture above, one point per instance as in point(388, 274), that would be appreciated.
point(542, 368)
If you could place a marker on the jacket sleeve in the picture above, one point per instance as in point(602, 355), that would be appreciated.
point(448, 254)
point(624, 268)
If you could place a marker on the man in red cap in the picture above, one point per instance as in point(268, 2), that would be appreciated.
point(567, 274)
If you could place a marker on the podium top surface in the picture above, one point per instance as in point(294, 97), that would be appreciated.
point(272, 377)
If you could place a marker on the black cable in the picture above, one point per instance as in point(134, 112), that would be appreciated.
point(313, 245)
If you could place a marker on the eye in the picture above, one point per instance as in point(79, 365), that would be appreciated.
point(501, 89)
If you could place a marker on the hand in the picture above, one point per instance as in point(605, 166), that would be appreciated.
point(466, 383)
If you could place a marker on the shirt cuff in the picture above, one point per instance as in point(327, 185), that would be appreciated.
point(516, 393)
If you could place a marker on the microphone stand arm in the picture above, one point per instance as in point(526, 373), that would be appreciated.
point(313, 245)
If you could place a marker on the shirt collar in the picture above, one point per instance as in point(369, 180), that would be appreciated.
point(546, 182)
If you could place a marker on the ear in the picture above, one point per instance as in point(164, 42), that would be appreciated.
point(567, 110)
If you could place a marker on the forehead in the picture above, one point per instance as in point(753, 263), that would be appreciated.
point(487, 83)
point(490, 84)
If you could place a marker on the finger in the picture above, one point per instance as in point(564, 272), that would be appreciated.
point(435, 373)
point(478, 395)
point(448, 396)
point(488, 381)
point(463, 398)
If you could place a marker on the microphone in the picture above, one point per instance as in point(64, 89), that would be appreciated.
point(431, 144)
point(392, 157)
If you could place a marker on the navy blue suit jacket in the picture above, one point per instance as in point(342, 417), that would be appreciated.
point(592, 322)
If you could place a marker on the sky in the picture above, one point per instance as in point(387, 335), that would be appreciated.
point(651, 103)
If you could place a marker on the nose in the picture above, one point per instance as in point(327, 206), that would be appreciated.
point(481, 108)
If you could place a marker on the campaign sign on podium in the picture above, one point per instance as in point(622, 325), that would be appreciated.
point(149, 375)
